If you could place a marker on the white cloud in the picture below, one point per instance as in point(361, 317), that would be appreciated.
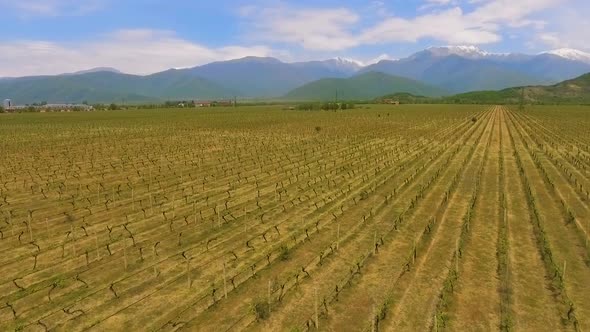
point(448, 22)
point(380, 8)
point(450, 26)
point(440, 2)
point(133, 51)
point(54, 8)
point(569, 29)
point(511, 12)
point(429, 4)
point(315, 29)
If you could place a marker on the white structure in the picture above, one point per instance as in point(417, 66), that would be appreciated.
point(7, 103)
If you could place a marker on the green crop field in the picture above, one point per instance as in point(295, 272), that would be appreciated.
point(393, 218)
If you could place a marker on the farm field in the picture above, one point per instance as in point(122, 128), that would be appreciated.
point(393, 218)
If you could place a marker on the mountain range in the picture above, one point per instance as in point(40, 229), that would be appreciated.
point(363, 86)
point(467, 68)
point(574, 91)
point(433, 71)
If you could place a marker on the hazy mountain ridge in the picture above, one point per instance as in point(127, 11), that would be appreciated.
point(267, 77)
point(110, 87)
point(361, 87)
point(463, 69)
point(95, 70)
point(455, 69)
point(574, 91)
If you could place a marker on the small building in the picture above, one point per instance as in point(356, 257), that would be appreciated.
point(202, 103)
point(390, 101)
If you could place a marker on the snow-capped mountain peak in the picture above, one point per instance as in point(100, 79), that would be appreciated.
point(343, 64)
point(467, 51)
point(571, 54)
point(348, 62)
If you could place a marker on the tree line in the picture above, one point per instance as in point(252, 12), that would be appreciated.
point(324, 106)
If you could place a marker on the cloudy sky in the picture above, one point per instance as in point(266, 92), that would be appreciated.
point(146, 36)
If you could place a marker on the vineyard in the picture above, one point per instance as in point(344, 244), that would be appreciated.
point(408, 218)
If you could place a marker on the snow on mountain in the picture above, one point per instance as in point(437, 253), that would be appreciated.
point(346, 62)
point(473, 52)
point(380, 58)
point(570, 54)
point(338, 64)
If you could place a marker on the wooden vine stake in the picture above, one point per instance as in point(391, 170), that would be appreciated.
point(375, 243)
point(155, 264)
point(374, 319)
point(188, 272)
point(30, 228)
point(224, 282)
point(564, 266)
point(150, 185)
point(457, 256)
point(151, 204)
point(73, 240)
point(132, 200)
point(11, 226)
point(338, 236)
point(317, 315)
point(97, 250)
point(218, 216)
point(125, 254)
point(414, 252)
point(269, 296)
point(173, 207)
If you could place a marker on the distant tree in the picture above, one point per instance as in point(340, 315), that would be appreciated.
point(329, 106)
point(1, 109)
point(113, 107)
point(305, 107)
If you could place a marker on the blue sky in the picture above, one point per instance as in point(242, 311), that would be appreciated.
point(56, 36)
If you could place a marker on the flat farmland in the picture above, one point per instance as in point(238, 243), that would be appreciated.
point(382, 218)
